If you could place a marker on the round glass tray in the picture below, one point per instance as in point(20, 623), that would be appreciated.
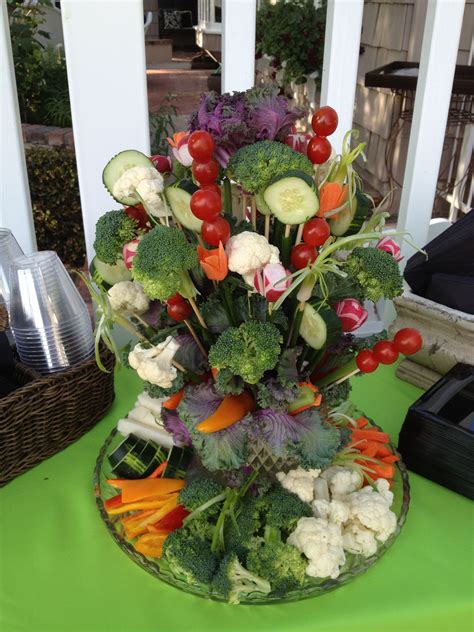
point(355, 564)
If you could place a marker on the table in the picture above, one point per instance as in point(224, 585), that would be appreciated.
point(62, 572)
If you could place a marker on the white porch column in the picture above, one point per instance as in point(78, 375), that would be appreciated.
point(15, 207)
point(433, 93)
point(238, 44)
point(105, 56)
point(341, 59)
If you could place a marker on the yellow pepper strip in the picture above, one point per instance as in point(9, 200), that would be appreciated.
point(154, 502)
point(151, 544)
point(139, 526)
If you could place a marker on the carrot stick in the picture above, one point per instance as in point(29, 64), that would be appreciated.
point(370, 435)
point(362, 422)
point(391, 459)
point(174, 401)
point(383, 451)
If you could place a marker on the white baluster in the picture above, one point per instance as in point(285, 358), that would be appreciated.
point(238, 44)
point(105, 56)
point(341, 59)
point(433, 93)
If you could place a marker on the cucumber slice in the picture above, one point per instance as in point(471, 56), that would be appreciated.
point(118, 165)
point(350, 220)
point(292, 197)
point(178, 197)
point(106, 275)
point(319, 328)
point(262, 206)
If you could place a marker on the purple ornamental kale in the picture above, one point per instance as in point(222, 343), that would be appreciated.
point(242, 118)
point(176, 428)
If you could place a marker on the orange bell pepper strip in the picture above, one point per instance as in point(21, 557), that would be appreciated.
point(213, 262)
point(230, 410)
point(138, 489)
point(154, 502)
point(151, 544)
point(139, 525)
point(173, 402)
point(159, 470)
point(332, 195)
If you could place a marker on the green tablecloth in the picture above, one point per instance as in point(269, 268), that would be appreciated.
point(61, 572)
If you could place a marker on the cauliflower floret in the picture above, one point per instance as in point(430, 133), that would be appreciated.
point(383, 488)
point(128, 297)
point(335, 510)
point(359, 540)
point(155, 364)
point(248, 252)
point(147, 182)
point(300, 482)
point(321, 489)
point(372, 510)
point(342, 480)
point(321, 542)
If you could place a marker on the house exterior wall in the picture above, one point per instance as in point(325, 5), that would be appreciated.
point(393, 31)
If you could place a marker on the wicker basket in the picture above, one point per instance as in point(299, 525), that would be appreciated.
point(47, 413)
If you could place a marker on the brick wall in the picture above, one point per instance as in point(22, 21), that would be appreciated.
point(46, 135)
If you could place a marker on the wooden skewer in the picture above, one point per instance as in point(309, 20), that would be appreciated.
point(299, 234)
point(200, 240)
point(287, 230)
point(254, 211)
point(343, 379)
point(192, 302)
point(267, 227)
point(193, 333)
point(140, 319)
point(244, 207)
point(179, 366)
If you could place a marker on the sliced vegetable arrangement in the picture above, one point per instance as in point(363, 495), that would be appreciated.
point(243, 267)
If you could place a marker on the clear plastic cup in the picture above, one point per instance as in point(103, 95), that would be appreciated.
point(9, 250)
point(42, 293)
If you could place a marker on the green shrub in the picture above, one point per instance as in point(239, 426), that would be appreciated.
point(41, 76)
point(56, 203)
point(292, 33)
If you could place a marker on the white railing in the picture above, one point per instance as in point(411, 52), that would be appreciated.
point(106, 69)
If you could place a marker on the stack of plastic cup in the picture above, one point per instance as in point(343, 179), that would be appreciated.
point(48, 317)
point(9, 249)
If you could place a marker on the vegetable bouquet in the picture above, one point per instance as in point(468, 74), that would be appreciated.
point(242, 268)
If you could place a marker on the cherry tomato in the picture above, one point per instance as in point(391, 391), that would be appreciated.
point(324, 121)
point(179, 311)
point(139, 214)
point(212, 186)
point(319, 150)
point(366, 361)
point(205, 172)
point(206, 205)
point(385, 352)
point(216, 231)
point(408, 340)
point(301, 255)
point(316, 231)
point(175, 299)
point(201, 146)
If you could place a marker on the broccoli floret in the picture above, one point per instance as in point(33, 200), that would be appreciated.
point(162, 262)
point(248, 350)
point(336, 394)
point(112, 231)
point(235, 582)
point(282, 564)
point(228, 383)
point(198, 492)
point(282, 509)
point(376, 271)
point(254, 166)
point(200, 527)
point(189, 557)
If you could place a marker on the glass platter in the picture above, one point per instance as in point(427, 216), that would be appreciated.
point(355, 564)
